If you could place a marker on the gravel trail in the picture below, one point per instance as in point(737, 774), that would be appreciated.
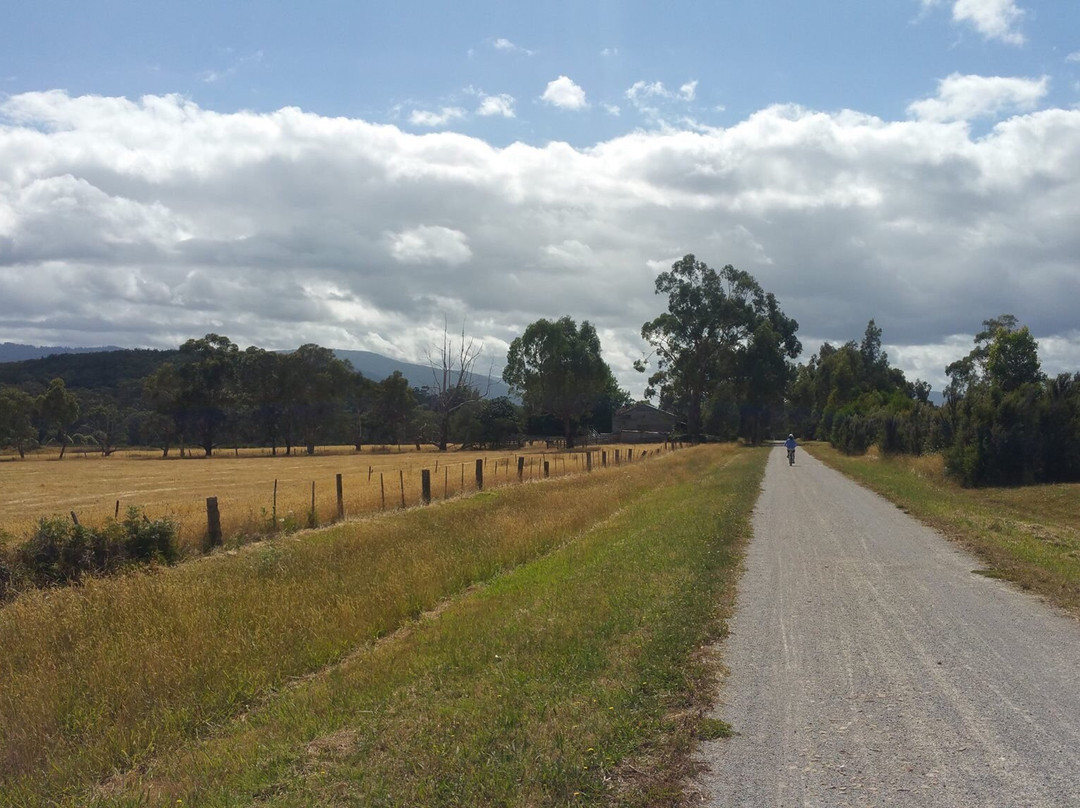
point(869, 666)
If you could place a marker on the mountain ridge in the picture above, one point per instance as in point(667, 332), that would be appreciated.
point(372, 365)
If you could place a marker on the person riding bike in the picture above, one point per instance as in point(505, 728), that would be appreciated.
point(790, 444)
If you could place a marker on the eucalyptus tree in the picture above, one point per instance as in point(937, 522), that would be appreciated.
point(209, 385)
point(58, 410)
point(16, 427)
point(720, 328)
point(558, 370)
point(315, 386)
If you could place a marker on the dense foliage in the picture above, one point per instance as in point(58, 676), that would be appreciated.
point(1011, 424)
point(850, 396)
point(1002, 422)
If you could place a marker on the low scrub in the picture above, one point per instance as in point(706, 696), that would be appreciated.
point(60, 551)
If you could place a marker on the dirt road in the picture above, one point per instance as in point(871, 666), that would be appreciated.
point(868, 665)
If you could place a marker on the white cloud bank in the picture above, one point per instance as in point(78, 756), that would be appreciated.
point(145, 222)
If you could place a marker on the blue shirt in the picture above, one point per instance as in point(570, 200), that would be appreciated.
point(790, 443)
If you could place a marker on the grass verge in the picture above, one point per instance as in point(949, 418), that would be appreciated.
point(550, 684)
point(1028, 535)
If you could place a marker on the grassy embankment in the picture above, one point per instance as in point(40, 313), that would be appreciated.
point(561, 665)
point(95, 487)
point(1029, 535)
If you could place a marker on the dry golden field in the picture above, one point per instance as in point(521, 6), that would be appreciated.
point(96, 487)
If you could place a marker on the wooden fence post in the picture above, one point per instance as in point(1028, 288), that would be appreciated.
point(340, 500)
point(401, 480)
point(521, 468)
point(382, 490)
point(588, 461)
point(480, 474)
point(546, 470)
point(213, 522)
point(603, 458)
point(425, 486)
point(313, 518)
point(273, 509)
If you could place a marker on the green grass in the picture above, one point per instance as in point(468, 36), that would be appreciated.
point(1028, 535)
point(561, 665)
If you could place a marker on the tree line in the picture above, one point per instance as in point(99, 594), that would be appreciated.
point(209, 394)
point(722, 361)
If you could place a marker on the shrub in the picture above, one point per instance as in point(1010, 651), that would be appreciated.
point(61, 552)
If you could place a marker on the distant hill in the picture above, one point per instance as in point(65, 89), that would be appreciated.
point(16, 352)
point(111, 367)
point(378, 367)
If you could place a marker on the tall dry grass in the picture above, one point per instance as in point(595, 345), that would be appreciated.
point(95, 488)
point(99, 677)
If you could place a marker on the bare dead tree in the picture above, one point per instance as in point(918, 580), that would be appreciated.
point(453, 380)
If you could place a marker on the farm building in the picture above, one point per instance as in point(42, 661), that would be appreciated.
point(642, 422)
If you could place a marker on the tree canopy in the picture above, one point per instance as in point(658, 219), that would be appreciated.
point(558, 370)
point(721, 329)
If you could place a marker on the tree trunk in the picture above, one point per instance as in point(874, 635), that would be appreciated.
point(693, 417)
point(568, 432)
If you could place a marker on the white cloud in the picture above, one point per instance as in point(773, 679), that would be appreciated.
point(430, 244)
point(145, 222)
point(606, 52)
point(964, 98)
point(994, 19)
point(501, 104)
point(420, 117)
point(565, 94)
point(1073, 57)
point(238, 64)
point(651, 98)
point(503, 44)
point(613, 109)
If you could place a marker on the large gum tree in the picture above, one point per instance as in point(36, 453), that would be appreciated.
point(557, 368)
point(720, 328)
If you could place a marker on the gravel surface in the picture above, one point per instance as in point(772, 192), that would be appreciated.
point(869, 665)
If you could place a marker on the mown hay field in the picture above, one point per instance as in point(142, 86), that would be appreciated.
point(96, 488)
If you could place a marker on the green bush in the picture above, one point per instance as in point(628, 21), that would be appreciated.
point(61, 552)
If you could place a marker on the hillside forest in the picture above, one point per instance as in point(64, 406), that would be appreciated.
point(722, 360)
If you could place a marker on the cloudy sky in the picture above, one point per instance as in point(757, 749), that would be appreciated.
point(357, 174)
